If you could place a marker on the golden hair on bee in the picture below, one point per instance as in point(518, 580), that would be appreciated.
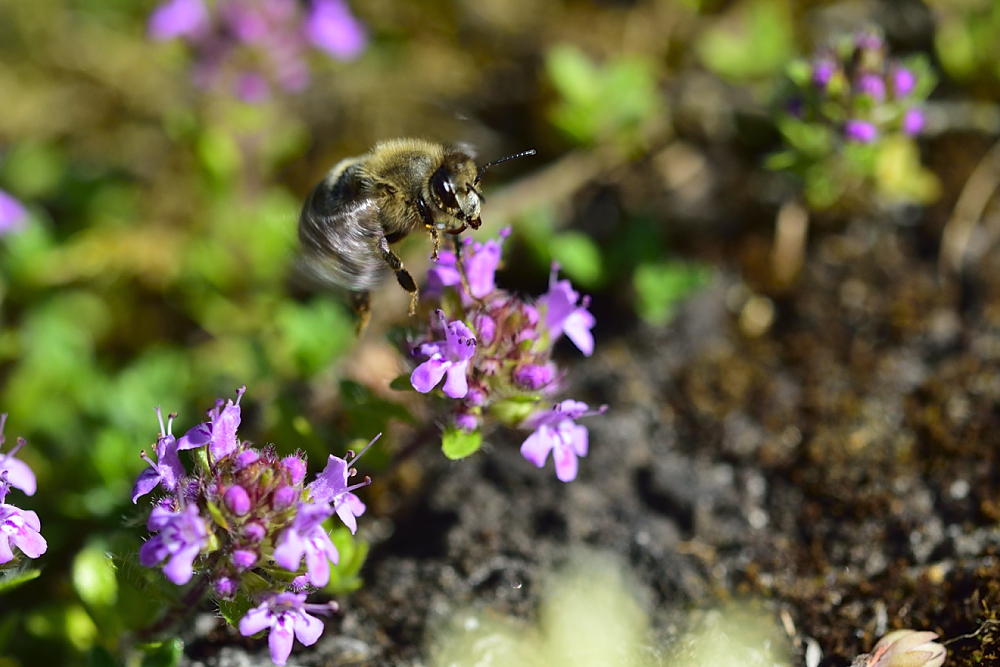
point(367, 203)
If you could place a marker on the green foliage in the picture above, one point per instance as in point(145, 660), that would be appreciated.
point(345, 575)
point(659, 287)
point(14, 578)
point(458, 444)
point(756, 41)
point(609, 103)
point(967, 39)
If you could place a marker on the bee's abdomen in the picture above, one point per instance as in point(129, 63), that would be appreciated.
point(338, 232)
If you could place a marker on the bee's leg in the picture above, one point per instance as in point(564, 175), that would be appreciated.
point(436, 240)
point(403, 276)
point(361, 303)
point(460, 265)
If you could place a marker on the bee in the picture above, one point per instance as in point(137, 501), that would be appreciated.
point(367, 203)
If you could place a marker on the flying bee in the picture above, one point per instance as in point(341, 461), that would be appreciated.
point(367, 203)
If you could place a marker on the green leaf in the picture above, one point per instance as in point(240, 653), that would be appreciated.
point(579, 256)
point(94, 577)
point(512, 411)
point(163, 654)
point(572, 73)
point(755, 41)
point(660, 287)
point(457, 444)
point(14, 579)
point(402, 383)
point(99, 656)
point(234, 610)
point(353, 552)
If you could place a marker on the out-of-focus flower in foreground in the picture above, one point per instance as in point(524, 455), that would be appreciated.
point(904, 648)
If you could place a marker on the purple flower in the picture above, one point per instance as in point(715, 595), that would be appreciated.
point(252, 88)
point(823, 70)
point(869, 41)
point(296, 467)
point(285, 615)
point(178, 18)
point(562, 315)
point(19, 475)
point(167, 470)
point(556, 431)
point(306, 536)
point(482, 262)
point(12, 214)
point(243, 559)
point(913, 122)
point(219, 433)
point(18, 528)
point(331, 486)
point(443, 273)
point(452, 359)
point(182, 536)
point(903, 81)
point(237, 500)
point(331, 27)
point(860, 131)
point(533, 376)
point(872, 85)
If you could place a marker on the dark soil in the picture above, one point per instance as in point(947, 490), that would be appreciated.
point(842, 467)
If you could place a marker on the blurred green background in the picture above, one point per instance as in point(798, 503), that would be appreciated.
point(157, 264)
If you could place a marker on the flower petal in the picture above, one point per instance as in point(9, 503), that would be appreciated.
point(257, 619)
point(19, 474)
point(308, 629)
point(577, 328)
point(280, 639)
point(457, 384)
point(538, 445)
point(427, 375)
point(566, 464)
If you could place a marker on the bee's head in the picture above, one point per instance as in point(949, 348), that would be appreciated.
point(453, 192)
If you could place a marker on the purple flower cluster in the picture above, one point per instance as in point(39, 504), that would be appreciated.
point(18, 528)
point(244, 512)
point(493, 352)
point(248, 45)
point(854, 84)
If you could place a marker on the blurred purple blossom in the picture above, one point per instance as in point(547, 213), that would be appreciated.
point(331, 27)
point(823, 70)
point(274, 35)
point(182, 536)
point(860, 131)
point(872, 85)
point(13, 215)
point(286, 615)
point(179, 18)
point(903, 82)
point(556, 431)
point(913, 122)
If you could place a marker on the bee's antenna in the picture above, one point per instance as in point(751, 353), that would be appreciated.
point(482, 170)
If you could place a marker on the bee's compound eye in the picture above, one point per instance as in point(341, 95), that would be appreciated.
point(443, 189)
